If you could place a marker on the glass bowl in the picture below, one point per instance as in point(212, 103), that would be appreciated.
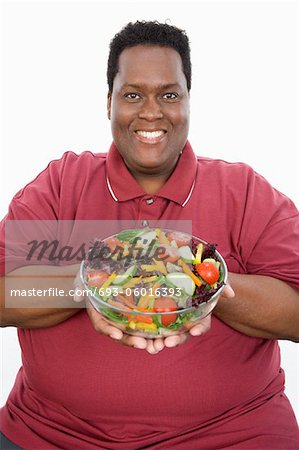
point(153, 282)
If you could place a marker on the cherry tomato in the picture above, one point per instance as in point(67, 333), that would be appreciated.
point(180, 238)
point(208, 271)
point(170, 253)
point(97, 278)
point(165, 304)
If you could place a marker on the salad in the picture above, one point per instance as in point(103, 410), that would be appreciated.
point(152, 280)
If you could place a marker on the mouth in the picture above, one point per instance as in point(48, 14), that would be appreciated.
point(150, 137)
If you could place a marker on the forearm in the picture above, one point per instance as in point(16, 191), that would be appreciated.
point(37, 311)
point(262, 307)
point(35, 317)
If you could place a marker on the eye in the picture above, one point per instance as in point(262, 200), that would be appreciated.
point(170, 96)
point(132, 96)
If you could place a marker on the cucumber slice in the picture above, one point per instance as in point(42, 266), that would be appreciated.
point(217, 263)
point(186, 254)
point(124, 277)
point(149, 236)
point(181, 280)
point(173, 268)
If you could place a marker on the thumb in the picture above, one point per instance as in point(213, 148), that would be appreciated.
point(228, 291)
point(79, 295)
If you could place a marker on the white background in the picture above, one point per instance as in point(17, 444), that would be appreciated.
point(244, 96)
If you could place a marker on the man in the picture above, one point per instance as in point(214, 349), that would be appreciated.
point(79, 388)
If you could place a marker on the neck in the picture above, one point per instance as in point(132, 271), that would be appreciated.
point(151, 185)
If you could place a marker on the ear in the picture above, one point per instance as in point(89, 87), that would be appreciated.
point(109, 105)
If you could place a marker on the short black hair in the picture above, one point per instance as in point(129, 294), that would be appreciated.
point(149, 33)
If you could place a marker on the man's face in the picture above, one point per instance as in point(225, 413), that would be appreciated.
point(149, 109)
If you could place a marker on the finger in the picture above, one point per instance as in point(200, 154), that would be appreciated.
point(228, 291)
point(159, 344)
point(150, 347)
point(102, 326)
point(201, 327)
point(78, 297)
point(172, 341)
point(134, 341)
point(78, 290)
point(184, 337)
point(177, 340)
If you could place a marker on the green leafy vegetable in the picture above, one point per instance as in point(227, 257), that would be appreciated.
point(129, 235)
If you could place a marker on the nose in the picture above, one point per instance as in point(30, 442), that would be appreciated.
point(150, 110)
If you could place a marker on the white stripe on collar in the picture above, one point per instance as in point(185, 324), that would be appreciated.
point(110, 190)
point(189, 195)
point(116, 199)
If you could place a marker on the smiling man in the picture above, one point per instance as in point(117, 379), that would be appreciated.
point(222, 385)
point(149, 111)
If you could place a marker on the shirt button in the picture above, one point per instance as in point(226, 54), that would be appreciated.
point(145, 223)
point(149, 201)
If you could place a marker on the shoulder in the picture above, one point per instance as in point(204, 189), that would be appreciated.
point(240, 186)
point(62, 180)
point(235, 176)
point(70, 168)
point(224, 168)
point(72, 160)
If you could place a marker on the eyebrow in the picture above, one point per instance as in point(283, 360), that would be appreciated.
point(159, 86)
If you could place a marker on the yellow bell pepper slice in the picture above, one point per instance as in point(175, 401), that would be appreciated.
point(132, 282)
point(108, 281)
point(145, 326)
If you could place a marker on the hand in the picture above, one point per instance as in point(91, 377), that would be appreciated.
point(152, 346)
point(228, 291)
point(204, 325)
point(102, 326)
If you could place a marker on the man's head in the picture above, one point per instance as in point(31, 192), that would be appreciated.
point(148, 101)
point(149, 33)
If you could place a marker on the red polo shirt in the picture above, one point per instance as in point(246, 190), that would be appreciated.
point(78, 389)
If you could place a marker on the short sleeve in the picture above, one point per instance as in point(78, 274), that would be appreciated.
point(269, 239)
point(37, 202)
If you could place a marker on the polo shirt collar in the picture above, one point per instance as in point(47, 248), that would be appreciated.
point(123, 186)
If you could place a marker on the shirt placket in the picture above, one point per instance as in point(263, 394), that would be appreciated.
point(148, 209)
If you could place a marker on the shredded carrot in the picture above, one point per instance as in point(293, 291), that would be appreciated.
point(127, 300)
point(189, 272)
point(140, 318)
point(118, 305)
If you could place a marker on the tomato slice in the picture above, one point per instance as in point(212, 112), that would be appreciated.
point(97, 278)
point(180, 238)
point(166, 304)
point(170, 253)
point(208, 271)
point(113, 243)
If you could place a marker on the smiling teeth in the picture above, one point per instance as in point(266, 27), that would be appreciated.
point(150, 134)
